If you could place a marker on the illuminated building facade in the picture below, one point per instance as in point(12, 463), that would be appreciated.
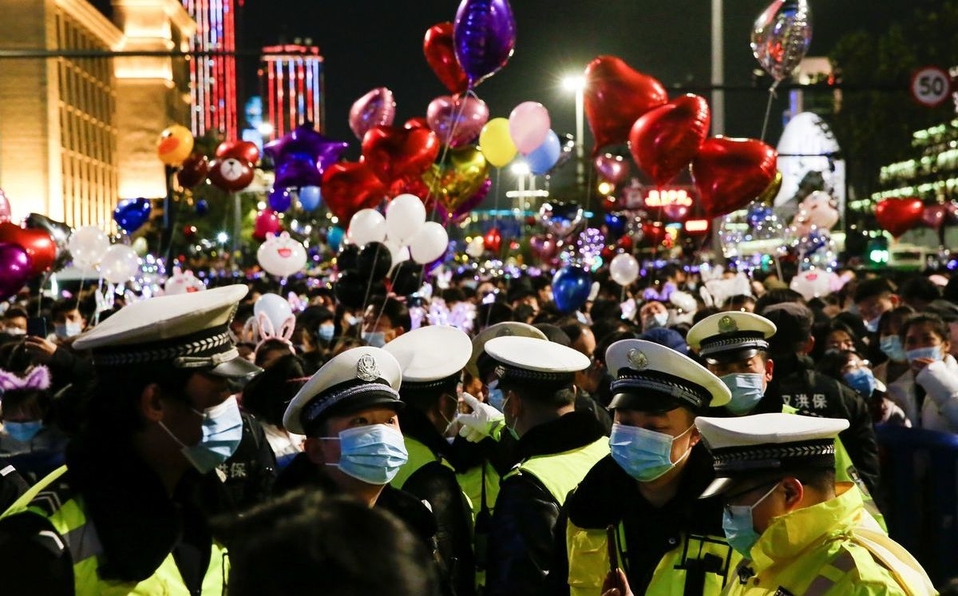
point(213, 71)
point(291, 77)
point(78, 130)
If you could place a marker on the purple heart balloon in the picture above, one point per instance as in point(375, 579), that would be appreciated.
point(376, 108)
point(484, 37)
point(612, 168)
point(457, 120)
point(15, 269)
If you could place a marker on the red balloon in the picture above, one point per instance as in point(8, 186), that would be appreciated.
point(492, 240)
point(242, 150)
point(267, 222)
point(231, 174)
point(38, 244)
point(348, 187)
point(625, 244)
point(392, 152)
point(225, 149)
point(194, 170)
point(417, 122)
point(653, 233)
point(412, 185)
point(189, 232)
point(441, 57)
point(729, 173)
point(615, 96)
point(899, 215)
point(664, 141)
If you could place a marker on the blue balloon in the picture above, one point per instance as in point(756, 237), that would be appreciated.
point(202, 207)
point(545, 155)
point(570, 288)
point(280, 200)
point(131, 214)
point(615, 222)
point(334, 238)
point(309, 197)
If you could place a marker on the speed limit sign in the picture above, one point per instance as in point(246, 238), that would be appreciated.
point(930, 86)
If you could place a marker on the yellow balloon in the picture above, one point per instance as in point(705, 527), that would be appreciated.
point(495, 142)
point(174, 145)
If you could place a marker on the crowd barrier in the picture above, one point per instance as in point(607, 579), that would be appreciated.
point(920, 500)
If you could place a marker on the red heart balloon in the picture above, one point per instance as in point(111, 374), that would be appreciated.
point(653, 233)
point(899, 215)
point(392, 152)
point(729, 173)
point(665, 140)
point(615, 96)
point(441, 57)
point(492, 240)
point(348, 187)
point(38, 244)
point(417, 122)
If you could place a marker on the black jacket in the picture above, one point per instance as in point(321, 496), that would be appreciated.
point(522, 537)
point(797, 384)
point(609, 496)
point(437, 485)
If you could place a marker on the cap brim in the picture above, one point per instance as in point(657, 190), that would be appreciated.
point(645, 403)
point(727, 356)
point(362, 402)
point(718, 486)
point(237, 368)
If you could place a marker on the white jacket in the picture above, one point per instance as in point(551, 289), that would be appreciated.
point(939, 412)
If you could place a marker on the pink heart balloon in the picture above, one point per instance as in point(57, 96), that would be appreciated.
point(376, 108)
point(612, 168)
point(457, 119)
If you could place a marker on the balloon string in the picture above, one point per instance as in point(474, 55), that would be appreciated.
point(433, 188)
point(369, 286)
point(768, 109)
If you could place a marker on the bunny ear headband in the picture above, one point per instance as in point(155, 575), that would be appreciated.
point(37, 379)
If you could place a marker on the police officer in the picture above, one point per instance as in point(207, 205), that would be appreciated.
point(349, 413)
point(801, 533)
point(119, 516)
point(556, 447)
point(666, 540)
point(432, 359)
point(735, 347)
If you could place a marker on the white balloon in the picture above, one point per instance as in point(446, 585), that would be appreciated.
point(429, 244)
point(275, 307)
point(368, 225)
point(119, 264)
point(87, 245)
point(624, 269)
point(398, 252)
point(405, 216)
point(281, 255)
point(475, 248)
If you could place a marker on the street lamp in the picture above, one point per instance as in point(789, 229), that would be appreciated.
point(576, 83)
point(521, 171)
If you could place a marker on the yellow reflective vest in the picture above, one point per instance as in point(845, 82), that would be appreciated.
point(79, 535)
point(832, 548)
point(559, 473)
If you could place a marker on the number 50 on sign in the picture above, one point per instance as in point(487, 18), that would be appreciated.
point(930, 86)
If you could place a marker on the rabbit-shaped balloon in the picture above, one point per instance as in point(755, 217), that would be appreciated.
point(182, 282)
point(281, 255)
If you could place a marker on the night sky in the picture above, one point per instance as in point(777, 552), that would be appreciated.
point(374, 43)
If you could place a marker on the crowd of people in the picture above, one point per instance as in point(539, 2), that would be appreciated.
point(471, 439)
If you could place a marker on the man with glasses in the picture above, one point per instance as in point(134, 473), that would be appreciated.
point(799, 531)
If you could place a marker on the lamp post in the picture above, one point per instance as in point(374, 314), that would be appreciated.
point(577, 84)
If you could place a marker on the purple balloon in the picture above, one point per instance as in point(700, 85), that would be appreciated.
point(301, 152)
point(15, 269)
point(457, 120)
point(376, 108)
point(612, 168)
point(297, 170)
point(484, 37)
point(280, 199)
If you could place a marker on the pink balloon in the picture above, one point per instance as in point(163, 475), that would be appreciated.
point(15, 269)
point(267, 222)
point(4, 208)
point(529, 124)
point(612, 168)
point(457, 120)
point(376, 108)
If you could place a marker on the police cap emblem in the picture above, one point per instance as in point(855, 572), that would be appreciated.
point(366, 368)
point(727, 325)
point(638, 360)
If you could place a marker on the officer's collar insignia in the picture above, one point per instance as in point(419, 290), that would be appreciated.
point(638, 360)
point(366, 369)
point(727, 325)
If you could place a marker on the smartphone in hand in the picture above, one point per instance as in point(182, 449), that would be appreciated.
point(37, 327)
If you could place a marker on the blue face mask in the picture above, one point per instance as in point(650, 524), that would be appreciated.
point(934, 353)
point(644, 454)
point(376, 339)
point(326, 332)
point(222, 433)
point(872, 326)
point(746, 391)
point(23, 431)
point(861, 380)
point(891, 346)
point(494, 396)
point(373, 454)
point(739, 527)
